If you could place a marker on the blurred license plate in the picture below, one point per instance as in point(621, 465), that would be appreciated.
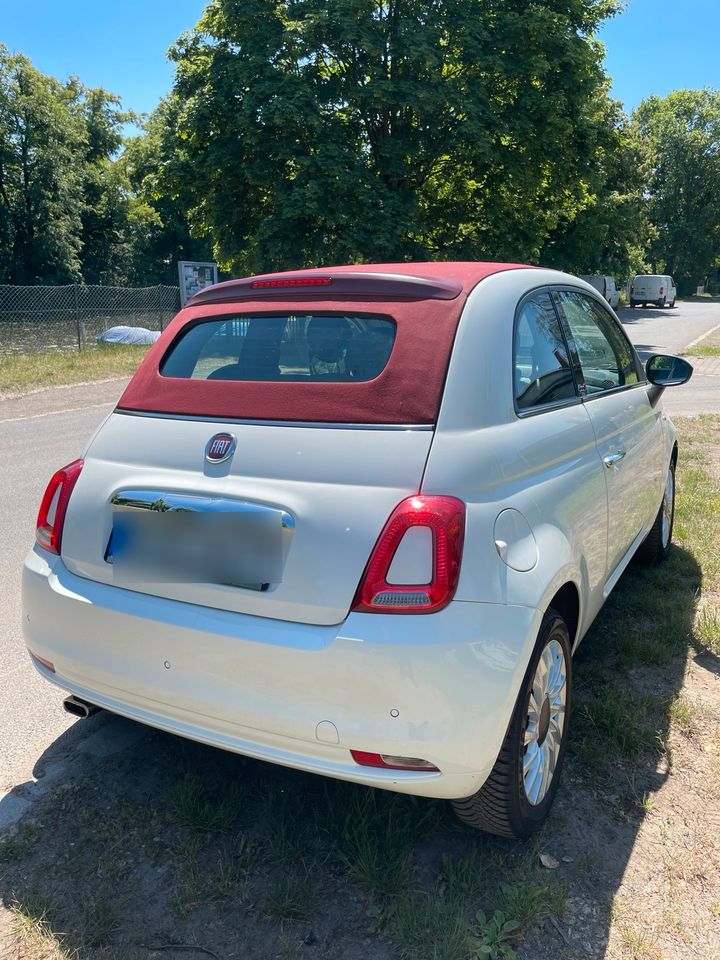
point(239, 549)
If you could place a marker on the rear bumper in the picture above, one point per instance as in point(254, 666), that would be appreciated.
point(278, 691)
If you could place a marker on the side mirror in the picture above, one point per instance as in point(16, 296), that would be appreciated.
point(666, 371)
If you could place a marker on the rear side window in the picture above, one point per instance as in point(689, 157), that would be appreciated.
point(606, 358)
point(287, 348)
point(542, 368)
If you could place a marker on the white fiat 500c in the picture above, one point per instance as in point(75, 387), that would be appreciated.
point(356, 520)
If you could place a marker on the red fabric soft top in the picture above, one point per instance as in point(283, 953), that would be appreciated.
point(407, 391)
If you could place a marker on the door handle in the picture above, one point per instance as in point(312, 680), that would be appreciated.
point(613, 458)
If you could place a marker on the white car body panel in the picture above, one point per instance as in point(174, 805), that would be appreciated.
point(261, 687)
point(495, 460)
point(626, 425)
point(272, 674)
point(339, 485)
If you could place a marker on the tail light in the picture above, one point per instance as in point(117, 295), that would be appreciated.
point(662, 290)
point(445, 517)
point(386, 762)
point(51, 516)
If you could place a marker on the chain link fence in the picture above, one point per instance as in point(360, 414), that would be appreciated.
point(71, 317)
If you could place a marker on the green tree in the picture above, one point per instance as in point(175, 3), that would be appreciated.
point(42, 144)
point(157, 215)
point(611, 234)
point(318, 130)
point(682, 131)
point(105, 233)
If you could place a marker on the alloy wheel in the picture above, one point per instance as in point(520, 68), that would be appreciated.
point(545, 722)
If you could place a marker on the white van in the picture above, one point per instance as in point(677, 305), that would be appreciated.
point(654, 288)
point(606, 287)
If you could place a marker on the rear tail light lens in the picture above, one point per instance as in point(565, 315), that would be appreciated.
point(51, 516)
point(445, 518)
point(387, 762)
point(662, 290)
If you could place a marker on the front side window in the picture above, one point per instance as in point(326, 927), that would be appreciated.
point(542, 369)
point(287, 348)
point(606, 358)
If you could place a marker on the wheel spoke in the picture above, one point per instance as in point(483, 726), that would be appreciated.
point(531, 758)
point(547, 699)
point(546, 772)
point(531, 732)
point(536, 777)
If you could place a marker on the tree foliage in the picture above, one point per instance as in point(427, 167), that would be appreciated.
point(106, 207)
point(610, 234)
point(386, 129)
point(159, 222)
point(74, 204)
point(682, 131)
point(42, 141)
point(318, 131)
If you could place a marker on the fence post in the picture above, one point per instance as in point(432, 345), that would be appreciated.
point(160, 307)
point(77, 317)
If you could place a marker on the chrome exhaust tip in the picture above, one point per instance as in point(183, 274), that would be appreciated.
point(79, 708)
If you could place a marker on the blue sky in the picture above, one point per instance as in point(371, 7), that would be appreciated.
point(654, 47)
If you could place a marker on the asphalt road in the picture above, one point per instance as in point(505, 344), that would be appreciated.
point(45, 430)
point(669, 331)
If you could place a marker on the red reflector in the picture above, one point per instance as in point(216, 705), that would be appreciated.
point(387, 762)
point(445, 517)
point(51, 515)
point(295, 282)
point(43, 662)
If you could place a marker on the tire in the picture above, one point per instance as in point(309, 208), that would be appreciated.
point(656, 545)
point(661, 302)
point(632, 304)
point(503, 804)
point(672, 305)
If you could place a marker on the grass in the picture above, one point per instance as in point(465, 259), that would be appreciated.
point(683, 715)
point(703, 350)
point(707, 628)
point(220, 875)
point(205, 807)
point(34, 931)
point(291, 896)
point(638, 946)
point(21, 373)
point(18, 845)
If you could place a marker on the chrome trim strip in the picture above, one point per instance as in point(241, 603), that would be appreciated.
point(161, 501)
point(420, 427)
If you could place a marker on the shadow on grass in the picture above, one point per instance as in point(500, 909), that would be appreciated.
point(166, 848)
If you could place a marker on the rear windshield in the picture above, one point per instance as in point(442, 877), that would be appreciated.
point(290, 347)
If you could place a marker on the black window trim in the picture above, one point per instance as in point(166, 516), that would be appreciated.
point(586, 397)
point(554, 404)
